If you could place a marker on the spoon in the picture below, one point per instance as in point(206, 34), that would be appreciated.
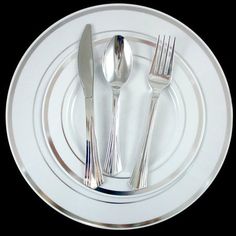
point(117, 64)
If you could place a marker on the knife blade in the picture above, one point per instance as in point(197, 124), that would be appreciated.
point(85, 58)
point(93, 174)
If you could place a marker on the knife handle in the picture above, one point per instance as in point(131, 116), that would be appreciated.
point(93, 173)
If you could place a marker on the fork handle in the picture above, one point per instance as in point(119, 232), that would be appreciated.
point(138, 179)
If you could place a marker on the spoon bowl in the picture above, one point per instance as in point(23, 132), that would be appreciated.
point(117, 61)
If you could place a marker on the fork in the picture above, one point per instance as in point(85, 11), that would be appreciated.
point(160, 77)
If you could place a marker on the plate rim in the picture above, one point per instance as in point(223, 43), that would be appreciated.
point(55, 26)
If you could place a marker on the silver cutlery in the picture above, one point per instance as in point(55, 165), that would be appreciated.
point(117, 65)
point(160, 77)
point(93, 174)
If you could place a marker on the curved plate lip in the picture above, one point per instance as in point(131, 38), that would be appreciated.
point(27, 55)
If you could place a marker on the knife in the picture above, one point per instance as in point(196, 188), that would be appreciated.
point(93, 174)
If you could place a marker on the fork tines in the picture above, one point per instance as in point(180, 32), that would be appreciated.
point(162, 62)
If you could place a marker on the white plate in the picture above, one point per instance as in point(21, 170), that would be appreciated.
point(46, 120)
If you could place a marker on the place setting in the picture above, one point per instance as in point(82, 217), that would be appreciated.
point(115, 124)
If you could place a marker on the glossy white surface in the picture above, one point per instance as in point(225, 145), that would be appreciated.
point(45, 119)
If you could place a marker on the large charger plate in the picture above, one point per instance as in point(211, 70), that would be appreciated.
point(45, 119)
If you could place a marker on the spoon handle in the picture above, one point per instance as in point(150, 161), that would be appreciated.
point(93, 173)
point(112, 164)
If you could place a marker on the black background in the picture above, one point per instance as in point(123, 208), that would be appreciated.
point(22, 208)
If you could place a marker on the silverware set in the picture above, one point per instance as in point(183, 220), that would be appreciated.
point(117, 65)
